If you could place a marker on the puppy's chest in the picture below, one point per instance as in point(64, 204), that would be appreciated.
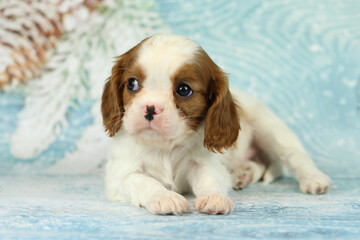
point(165, 166)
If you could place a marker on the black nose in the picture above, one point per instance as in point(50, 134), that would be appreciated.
point(150, 113)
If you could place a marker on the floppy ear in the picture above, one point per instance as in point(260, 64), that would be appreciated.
point(112, 104)
point(112, 107)
point(222, 123)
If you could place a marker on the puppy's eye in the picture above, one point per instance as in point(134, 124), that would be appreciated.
point(184, 90)
point(133, 84)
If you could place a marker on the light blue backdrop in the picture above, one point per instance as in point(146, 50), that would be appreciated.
point(302, 58)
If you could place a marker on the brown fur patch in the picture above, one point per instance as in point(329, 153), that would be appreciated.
point(192, 108)
point(222, 123)
point(211, 100)
point(116, 95)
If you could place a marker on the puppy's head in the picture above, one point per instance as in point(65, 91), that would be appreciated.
point(165, 89)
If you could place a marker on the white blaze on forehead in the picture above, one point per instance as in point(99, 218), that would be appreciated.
point(162, 55)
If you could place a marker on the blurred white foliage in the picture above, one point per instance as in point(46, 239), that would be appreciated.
point(28, 29)
point(77, 71)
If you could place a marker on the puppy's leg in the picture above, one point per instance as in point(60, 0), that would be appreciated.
point(279, 142)
point(142, 190)
point(273, 171)
point(249, 172)
point(210, 182)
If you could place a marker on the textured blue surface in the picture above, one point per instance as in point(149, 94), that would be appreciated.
point(301, 57)
point(74, 208)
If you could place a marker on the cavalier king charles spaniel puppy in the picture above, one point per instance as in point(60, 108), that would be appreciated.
point(176, 128)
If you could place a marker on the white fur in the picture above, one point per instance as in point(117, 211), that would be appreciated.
point(151, 165)
point(161, 56)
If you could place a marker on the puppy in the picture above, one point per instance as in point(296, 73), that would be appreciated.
point(176, 128)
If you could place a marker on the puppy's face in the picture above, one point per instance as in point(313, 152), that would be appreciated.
point(164, 89)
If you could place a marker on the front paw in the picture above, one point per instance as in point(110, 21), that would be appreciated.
point(168, 203)
point(213, 204)
point(317, 183)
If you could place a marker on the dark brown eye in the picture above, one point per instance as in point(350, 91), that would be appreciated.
point(133, 84)
point(184, 90)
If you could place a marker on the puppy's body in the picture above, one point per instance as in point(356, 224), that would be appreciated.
point(168, 108)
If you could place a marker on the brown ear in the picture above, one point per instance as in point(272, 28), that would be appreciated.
point(112, 107)
point(222, 124)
